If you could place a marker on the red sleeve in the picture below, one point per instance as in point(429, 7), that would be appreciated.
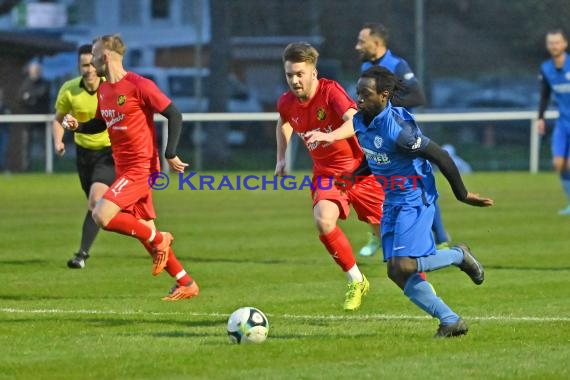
point(281, 108)
point(339, 100)
point(152, 96)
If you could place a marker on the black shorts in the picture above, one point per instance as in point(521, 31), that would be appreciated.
point(95, 166)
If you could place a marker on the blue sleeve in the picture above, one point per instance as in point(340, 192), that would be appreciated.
point(405, 73)
point(412, 95)
point(410, 138)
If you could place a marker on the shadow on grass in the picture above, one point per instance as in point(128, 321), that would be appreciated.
point(23, 262)
point(28, 297)
point(114, 322)
point(236, 261)
point(512, 267)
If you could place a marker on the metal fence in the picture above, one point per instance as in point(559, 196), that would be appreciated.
point(201, 122)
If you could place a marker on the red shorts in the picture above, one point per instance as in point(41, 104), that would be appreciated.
point(366, 196)
point(133, 194)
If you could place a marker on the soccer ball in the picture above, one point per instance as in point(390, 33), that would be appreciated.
point(247, 325)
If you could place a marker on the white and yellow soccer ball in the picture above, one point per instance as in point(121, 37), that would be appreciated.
point(248, 325)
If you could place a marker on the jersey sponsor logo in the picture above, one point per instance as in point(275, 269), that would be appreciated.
point(321, 114)
point(315, 145)
point(378, 157)
point(562, 88)
point(121, 100)
point(113, 117)
point(378, 141)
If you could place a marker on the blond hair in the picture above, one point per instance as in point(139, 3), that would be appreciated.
point(112, 42)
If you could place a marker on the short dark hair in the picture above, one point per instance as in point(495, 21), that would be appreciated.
point(385, 80)
point(377, 30)
point(84, 49)
point(558, 31)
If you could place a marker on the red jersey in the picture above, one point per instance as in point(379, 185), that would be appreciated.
point(323, 112)
point(128, 107)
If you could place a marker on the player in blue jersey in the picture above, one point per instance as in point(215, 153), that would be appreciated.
point(555, 77)
point(399, 155)
point(372, 47)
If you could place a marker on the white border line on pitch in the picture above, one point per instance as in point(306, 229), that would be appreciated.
point(505, 318)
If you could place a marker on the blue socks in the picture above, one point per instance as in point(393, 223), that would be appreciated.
point(439, 233)
point(442, 259)
point(420, 292)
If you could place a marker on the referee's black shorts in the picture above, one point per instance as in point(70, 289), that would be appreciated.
point(95, 166)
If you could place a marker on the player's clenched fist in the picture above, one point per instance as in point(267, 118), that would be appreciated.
point(70, 123)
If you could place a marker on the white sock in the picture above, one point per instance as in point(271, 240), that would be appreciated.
point(152, 236)
point(354, 274)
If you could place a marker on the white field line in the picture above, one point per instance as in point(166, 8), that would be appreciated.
point(363, 317)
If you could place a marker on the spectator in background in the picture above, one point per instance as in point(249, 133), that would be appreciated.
point(555, 77)
point(372, 47)
point(34, 94)
point(33, 98)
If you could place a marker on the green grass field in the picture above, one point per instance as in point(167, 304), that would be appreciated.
point(260, 248)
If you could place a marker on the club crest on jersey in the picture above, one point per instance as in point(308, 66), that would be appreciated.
point(121, 100)
point(378, 141)
point(321, 114)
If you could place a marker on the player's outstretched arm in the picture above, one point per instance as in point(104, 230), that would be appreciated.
point(474, 199)
point(441, 158)
point(90, 127)
point(345, 131)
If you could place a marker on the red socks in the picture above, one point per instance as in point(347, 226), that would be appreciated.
point(339, 248)
point(126, 224)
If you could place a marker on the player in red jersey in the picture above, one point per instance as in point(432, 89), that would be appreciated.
point(127, 103)
point(323, 105)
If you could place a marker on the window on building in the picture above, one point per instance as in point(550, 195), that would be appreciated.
point(83, 12)
point(130, 12)
point(189, 11)
point(160, 9)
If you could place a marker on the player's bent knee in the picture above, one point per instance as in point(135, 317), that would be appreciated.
point(325, 225)
point(99, 219)
point(104, 211)
point(401, 268)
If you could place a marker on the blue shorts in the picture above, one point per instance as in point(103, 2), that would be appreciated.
point(561, 140)
point(406, 231)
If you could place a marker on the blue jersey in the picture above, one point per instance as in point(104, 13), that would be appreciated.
point(396, 65)
point(391, 144)
point(559, 82)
